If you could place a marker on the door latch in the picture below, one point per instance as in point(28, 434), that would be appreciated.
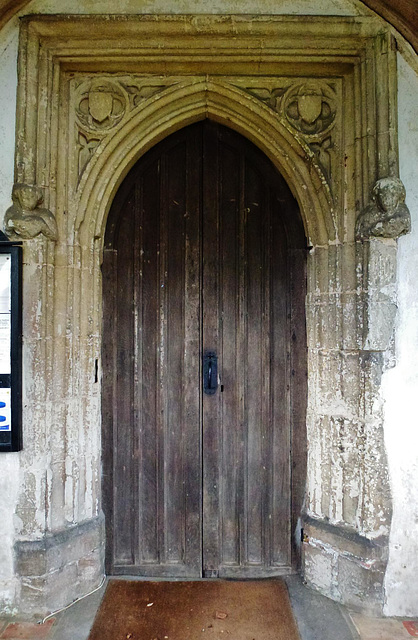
point(210, 372)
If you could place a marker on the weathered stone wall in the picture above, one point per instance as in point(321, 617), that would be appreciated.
point(54, 484)
point(348, 494)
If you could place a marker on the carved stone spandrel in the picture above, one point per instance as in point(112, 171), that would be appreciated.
point(86, 148)
point(138, 90)
point(312, 108)
point(387, 216)
point(26, 219)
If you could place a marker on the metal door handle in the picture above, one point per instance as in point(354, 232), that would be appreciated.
point(210, 372)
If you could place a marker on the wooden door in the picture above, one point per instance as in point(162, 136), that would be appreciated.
point(200, 247)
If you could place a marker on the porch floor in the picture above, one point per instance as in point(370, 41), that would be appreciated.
point(318, 618)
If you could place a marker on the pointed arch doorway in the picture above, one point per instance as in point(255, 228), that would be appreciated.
point(204, 362)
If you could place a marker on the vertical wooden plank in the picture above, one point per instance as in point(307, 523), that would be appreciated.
point(210, 310)
point(174, 439)
point(253, 366)
point(231, 433)
point(192, 354)
point(162, 360)
point(280, 491)
point(148, 333)
point(138, 269)
point(267, 418)
point(241, 376)
point(123, 467)
point(298, 383)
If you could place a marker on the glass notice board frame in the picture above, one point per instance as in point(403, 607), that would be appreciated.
point(10, 346)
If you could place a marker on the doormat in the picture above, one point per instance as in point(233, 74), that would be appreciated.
point(250, 610)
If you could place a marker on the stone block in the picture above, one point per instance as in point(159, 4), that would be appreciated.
point(60, 567)
point(30, 563)
point(381, 273)
point(319, 263)
point(380, 324)
point(344, 565)
point(90, 568)
point(348, 267)
point(349, 337)
point(334, 277)
point(327, 322)
point(360, 586)
point(343, 539)
point(380, 294)
point(317, 568)
point(350, 383)
point(32, 596)
point(63, 587)
point(71, 549)
point(311, 324)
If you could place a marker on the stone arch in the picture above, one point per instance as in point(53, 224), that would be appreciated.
point(184, 104)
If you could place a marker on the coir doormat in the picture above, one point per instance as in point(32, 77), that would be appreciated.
point(250, 610)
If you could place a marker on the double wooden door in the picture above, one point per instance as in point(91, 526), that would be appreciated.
point(196, 265)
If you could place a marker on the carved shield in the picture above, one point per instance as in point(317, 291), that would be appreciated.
point(310, 107)
point(100, 105)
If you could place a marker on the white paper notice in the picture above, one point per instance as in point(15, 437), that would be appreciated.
point(5, 410)
point(5, 313)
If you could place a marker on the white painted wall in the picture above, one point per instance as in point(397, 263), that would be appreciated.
point(400, 387)
point(9, 462)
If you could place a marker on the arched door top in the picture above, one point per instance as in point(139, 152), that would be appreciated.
point(190, 102)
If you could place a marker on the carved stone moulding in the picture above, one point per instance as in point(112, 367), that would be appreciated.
point(101, 105)
point(308, 109)
point(387, 216)
point(26, 219)
point(314, 111)
point(101, 102)
point(309, 106)
point(313, 76)
point(378, 227)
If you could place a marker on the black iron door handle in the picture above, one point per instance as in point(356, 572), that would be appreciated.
point(210, 372)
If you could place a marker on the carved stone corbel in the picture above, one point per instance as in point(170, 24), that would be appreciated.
point(26, 219)
point(387, 216)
